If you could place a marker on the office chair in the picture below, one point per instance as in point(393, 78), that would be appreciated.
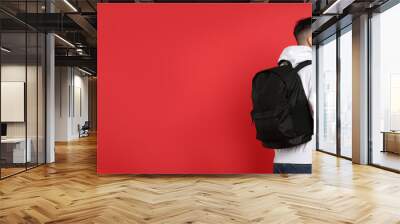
point(84, 130)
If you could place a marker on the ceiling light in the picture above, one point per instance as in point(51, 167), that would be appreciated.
point(79, 51)
point(70, 5)
point(84, 71)
point(5, 50)
point(64, 40)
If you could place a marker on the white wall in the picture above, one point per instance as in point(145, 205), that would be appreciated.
point(34, 126)
point(81, 102)
point(10, 73)
point(71, 102)
point(17, 73)
point(61, 103)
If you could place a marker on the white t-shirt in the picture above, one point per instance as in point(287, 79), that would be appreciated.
point(301, 154)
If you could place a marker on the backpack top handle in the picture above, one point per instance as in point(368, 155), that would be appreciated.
point(284, 62)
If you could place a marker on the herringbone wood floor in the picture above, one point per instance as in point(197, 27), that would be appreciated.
point(70, 191)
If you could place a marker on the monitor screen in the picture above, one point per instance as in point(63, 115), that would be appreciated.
point(3, 129)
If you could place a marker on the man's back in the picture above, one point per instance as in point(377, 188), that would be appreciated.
point(301, 154)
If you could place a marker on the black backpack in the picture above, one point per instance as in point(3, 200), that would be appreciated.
point(281, 111)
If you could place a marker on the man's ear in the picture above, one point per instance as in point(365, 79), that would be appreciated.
point(309, 40)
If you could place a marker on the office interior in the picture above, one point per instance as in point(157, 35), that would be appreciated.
point(49, 94)
point(48, 80)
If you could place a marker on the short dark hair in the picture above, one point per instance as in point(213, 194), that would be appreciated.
point(302, 26)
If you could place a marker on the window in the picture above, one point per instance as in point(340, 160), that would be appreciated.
point(346, 92)
point(385, 89)
point(327, 96)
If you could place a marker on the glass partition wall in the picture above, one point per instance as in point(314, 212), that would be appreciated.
point(345, 91)
point(22, 88)
point(327, 95)
point(385, 89)
point(334, 94)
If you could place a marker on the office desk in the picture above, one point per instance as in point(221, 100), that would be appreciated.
point(391, 141)
point(13, 150)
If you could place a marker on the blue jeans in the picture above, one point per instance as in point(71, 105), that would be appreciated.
point(292, 168)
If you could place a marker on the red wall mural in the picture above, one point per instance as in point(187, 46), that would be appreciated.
point(174, 85)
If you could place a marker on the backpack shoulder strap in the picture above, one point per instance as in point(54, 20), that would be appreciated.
point(302, 65)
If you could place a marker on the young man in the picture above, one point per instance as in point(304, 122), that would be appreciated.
point(298, 159)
